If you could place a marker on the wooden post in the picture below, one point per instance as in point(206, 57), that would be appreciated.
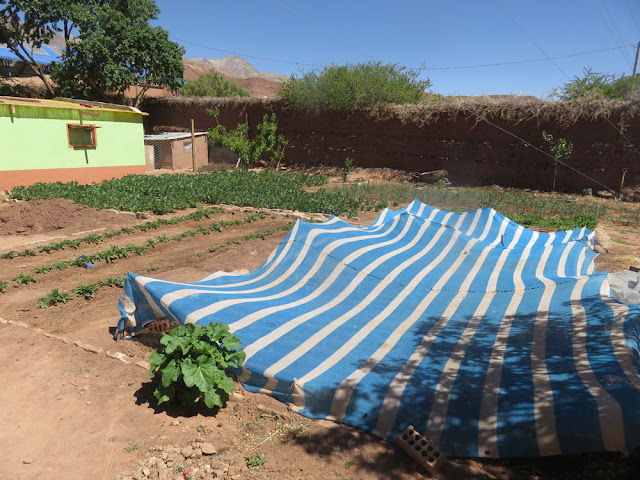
point(193, 147)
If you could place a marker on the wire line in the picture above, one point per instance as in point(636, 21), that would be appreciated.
point(543, 152)
point(530, 61)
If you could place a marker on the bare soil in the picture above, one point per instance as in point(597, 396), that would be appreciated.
point(72, 410)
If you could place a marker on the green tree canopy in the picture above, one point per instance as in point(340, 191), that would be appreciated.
point(29, 23)
point(213, 84)
point(597, 86)
point(355, 86)
point(109, 44)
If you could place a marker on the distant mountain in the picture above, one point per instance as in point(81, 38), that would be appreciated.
point(237, 67)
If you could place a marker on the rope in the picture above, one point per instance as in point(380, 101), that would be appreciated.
point(544, 153)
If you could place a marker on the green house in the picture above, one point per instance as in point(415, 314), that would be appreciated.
point(64, 140)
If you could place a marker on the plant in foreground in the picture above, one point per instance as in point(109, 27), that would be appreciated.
point(190, 368)
point(54, 297)
point(3, 286)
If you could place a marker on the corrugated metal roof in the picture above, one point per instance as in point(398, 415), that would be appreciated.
point(172, 135)
point(69, 103)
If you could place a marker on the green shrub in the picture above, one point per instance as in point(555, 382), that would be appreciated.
point(86, 291)
point(3, 286)
point(355, 86)
point(347, 169)
point(190, 369)
point(113, 281)
point(24, 278)
point(597, 86)
point(251, 149)
point(213, 84)
point(53, 298)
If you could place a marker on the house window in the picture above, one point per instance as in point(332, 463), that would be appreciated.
point(82, 136)
point(187, 147)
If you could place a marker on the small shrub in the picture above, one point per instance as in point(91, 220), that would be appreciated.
point(561, 150)
point(24, 278)
point(598, 86)
point(53, 298)
point(251, 149)
point(86, 291)
point(347, 169)
point(190, 369)
point(113, 281)
point(3, 286)
point(132, 447)
point(256, 460)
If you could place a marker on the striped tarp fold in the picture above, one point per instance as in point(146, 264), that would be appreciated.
point(493, 339)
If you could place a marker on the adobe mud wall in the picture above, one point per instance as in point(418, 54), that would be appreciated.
point(477, 144)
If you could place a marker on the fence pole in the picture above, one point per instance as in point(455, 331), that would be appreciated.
point(193, 147)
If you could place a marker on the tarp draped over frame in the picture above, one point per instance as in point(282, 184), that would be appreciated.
point(492, 339)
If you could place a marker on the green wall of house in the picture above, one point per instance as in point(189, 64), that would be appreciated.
point(35, 137)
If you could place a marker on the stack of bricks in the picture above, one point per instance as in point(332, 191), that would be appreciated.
point(420, 449)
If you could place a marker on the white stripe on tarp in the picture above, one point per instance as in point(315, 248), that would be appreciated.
point(299, 351)
point(488, 418)
point(347, 386)
point(623, 355)
point(442, 395)
point(326, 284)
point(609, 411)
point(543, 401)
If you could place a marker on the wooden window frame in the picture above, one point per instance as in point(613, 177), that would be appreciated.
point(91, 127)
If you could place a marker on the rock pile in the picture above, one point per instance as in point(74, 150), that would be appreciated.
point(196, 460)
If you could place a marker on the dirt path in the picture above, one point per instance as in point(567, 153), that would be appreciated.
point(76, 404)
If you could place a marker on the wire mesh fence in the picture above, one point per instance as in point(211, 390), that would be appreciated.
point(186, 152)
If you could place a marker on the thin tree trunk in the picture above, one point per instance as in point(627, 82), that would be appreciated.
point(37, 69)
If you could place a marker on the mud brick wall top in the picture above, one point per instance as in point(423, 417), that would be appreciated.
point(453, 136)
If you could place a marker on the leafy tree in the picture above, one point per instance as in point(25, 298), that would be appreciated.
point(29, 23)
point(597, 86)
point(213, 84)
point(251, 150)
point(109, 44)
point(117, 48)
point(355, 86)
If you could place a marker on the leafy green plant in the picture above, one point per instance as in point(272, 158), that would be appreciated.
point(24, 278)
point(3, 286)
point(113, 282)
point(132, 447)
point(251, 149)
point(54, 297)
point(190, 368)
point(135, 193)
point(86, 291)
point(347, 169)
point(256, 460)
point(561, 149)
point(350, 86)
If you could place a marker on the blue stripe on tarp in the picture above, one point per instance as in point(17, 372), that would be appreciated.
point(489, 337)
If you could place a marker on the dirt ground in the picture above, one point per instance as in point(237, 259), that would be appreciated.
point(75, 404)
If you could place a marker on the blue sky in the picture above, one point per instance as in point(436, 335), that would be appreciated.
point(293, 36)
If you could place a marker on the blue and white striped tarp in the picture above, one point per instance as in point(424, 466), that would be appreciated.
point(493, 339)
